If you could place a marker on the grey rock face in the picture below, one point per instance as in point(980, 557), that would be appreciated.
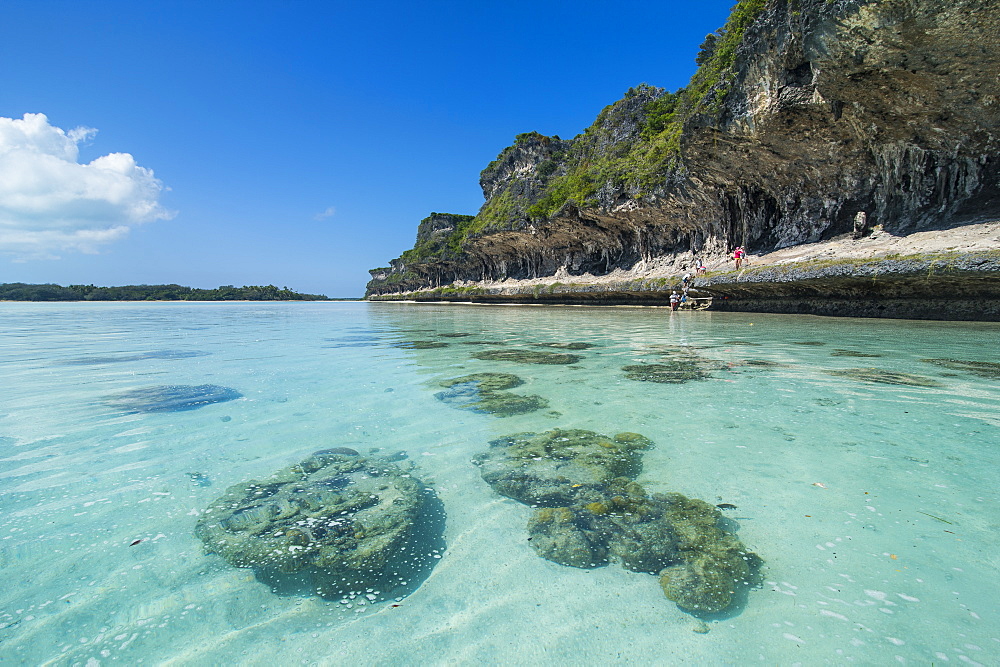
point(525, 168)
point(830, 110)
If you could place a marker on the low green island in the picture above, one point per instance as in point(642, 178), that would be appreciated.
point(52, 292)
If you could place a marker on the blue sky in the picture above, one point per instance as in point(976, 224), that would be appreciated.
point(289, 142)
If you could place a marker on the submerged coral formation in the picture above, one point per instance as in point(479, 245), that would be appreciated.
point(559, 467)
point(487, 382)
point(678, 364)
point(171, 398)
point(567, 346)
point(421, 344)
point(687, 356)
point(351, 522)
point(590, 512)
point(141, 356)
point(674, 372)
point(764, 363)
point(527, 356)
point(506, 404)
point(483, 392)
point(882, 376)
point(665, 349)
point(986, 369)
point(853, 353)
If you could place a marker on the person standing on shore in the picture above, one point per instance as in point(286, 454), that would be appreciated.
point(738, 255)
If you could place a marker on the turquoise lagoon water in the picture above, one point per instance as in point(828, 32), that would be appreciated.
point(873, 506)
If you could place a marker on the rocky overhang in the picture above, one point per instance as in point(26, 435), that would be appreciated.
point(940, 285)
point(808, 121)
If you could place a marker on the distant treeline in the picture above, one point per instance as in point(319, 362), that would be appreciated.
point(25, 292)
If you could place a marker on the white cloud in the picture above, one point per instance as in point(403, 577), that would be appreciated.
point(328, 213)
point(50, 203)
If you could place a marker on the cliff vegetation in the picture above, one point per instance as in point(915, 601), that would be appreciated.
point(806, 120)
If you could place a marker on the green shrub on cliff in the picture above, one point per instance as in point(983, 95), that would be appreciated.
point(430, 245)
point(718, 67)
point(633, 147)
point(595, 159)
point(580, 187)
point(660, 113)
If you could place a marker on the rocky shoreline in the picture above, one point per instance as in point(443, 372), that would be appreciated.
point(944, 285)
point(852, 143)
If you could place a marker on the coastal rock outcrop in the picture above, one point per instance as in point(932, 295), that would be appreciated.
point(808, 119)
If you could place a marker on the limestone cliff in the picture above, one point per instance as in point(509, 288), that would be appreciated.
point(436, 237)
point(803, 115)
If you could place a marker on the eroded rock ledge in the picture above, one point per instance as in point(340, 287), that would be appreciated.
point(937, 285)
point(818, 119)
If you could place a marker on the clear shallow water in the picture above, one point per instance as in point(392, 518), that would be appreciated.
point(874, 506)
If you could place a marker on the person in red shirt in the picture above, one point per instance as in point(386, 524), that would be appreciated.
point(738, 255)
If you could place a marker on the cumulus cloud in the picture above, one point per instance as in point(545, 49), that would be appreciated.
point(50, 203)
point(328, 213)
